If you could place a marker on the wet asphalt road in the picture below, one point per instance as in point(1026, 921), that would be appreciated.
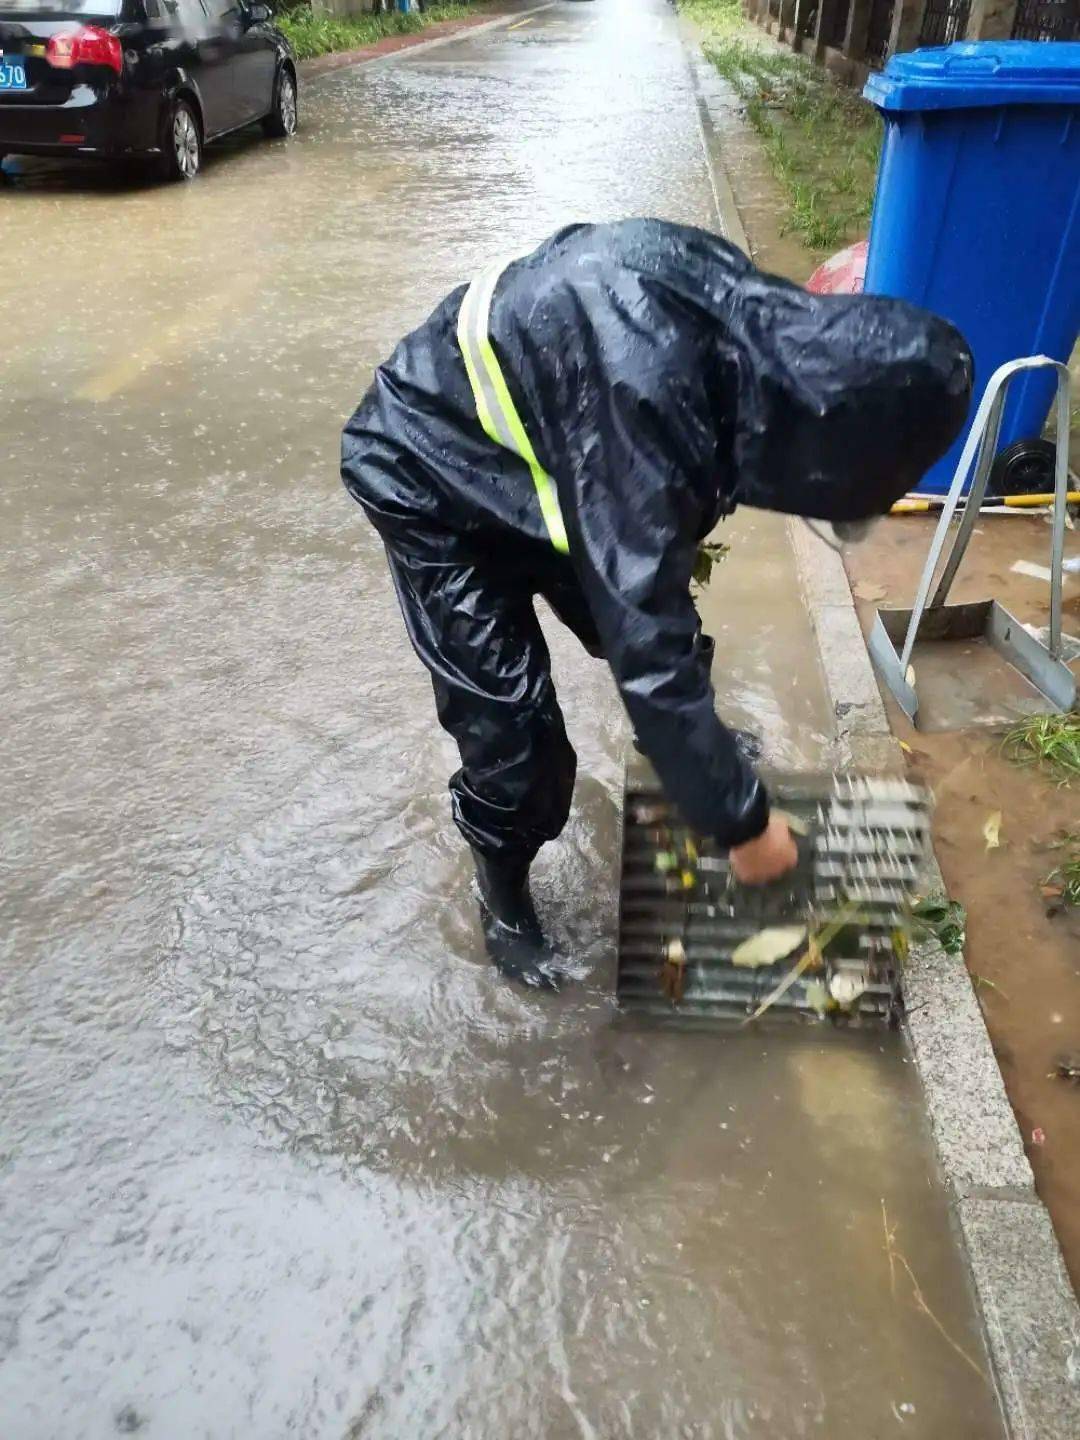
point(280, 1156)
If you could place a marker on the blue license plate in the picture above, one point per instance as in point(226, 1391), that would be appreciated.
point(12, 73)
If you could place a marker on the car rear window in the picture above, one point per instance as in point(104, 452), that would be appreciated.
point(62, 10)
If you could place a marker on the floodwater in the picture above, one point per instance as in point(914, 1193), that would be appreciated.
point(280, 1154)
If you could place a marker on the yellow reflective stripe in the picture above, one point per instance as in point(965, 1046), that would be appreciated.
point(468, 305)
point(545, 486)
point(494, 403)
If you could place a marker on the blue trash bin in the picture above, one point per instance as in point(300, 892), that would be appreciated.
point(977, 212)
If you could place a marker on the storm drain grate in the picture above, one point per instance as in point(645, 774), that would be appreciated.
point(860, 861)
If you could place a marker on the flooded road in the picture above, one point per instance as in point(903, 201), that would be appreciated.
point(280, 1154)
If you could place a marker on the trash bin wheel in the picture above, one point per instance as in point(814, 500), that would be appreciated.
point(1025, 468)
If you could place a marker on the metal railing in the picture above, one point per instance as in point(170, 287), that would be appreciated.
point(808, 19)
point(1047, 20)
point(836, 26)
point(879, 31)
point(944, 21)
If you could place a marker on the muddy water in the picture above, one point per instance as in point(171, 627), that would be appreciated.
point(1024, 961)
point(281, 1156)
point(766, 668)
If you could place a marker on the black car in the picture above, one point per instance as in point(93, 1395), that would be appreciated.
point(154, 78)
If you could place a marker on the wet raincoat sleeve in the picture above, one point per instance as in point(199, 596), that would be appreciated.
point(632, 466)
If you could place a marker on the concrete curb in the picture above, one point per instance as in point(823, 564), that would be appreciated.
point(347, 59)
point(707, 88)
point(1030, 1315)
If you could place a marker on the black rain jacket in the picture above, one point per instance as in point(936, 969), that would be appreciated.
point(663, 380)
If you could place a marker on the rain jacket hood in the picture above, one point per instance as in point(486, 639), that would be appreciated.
point(662, 380)
point(844, 401)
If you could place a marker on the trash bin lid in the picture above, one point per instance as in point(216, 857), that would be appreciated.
point(973, 74)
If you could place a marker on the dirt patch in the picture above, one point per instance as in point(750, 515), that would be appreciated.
point(1024, 962)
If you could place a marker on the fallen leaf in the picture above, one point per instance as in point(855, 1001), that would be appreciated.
point(992, 830)
point(769, 946)
point(906, 748)
point(866, 590)
point(1051, 892)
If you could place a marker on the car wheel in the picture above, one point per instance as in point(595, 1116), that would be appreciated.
point(282, 120)
point(182, 145)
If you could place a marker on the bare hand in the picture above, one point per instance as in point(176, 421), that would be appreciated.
point(771, 854)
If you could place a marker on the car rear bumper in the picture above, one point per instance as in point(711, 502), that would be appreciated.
point(88, 123)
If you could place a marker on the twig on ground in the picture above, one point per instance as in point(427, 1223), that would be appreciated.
point(889, 1248)
point(896, 1256)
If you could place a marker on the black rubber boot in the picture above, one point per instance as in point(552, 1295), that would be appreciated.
point(512, 933)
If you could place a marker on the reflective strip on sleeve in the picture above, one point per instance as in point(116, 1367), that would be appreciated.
point(497, 411)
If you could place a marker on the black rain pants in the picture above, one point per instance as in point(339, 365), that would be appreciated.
point(472, 621)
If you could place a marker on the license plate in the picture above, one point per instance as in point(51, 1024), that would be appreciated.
point(12, 74)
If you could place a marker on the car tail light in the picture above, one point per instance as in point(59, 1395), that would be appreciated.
point(88, 45)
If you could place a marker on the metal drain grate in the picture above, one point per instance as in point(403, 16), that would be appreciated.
point(860, 862)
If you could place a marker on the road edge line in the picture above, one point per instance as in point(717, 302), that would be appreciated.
point(727, 209)
point(1027, 1307)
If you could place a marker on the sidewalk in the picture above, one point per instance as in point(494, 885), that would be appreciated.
point(1027, 1304)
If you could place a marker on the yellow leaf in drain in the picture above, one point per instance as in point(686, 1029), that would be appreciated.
point(769, 946)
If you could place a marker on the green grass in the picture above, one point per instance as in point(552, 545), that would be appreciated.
point(821, 139)
point(943, 919)
point(1066, 876)
point(314, 33)
point(1052, 742)
point(709, 552)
